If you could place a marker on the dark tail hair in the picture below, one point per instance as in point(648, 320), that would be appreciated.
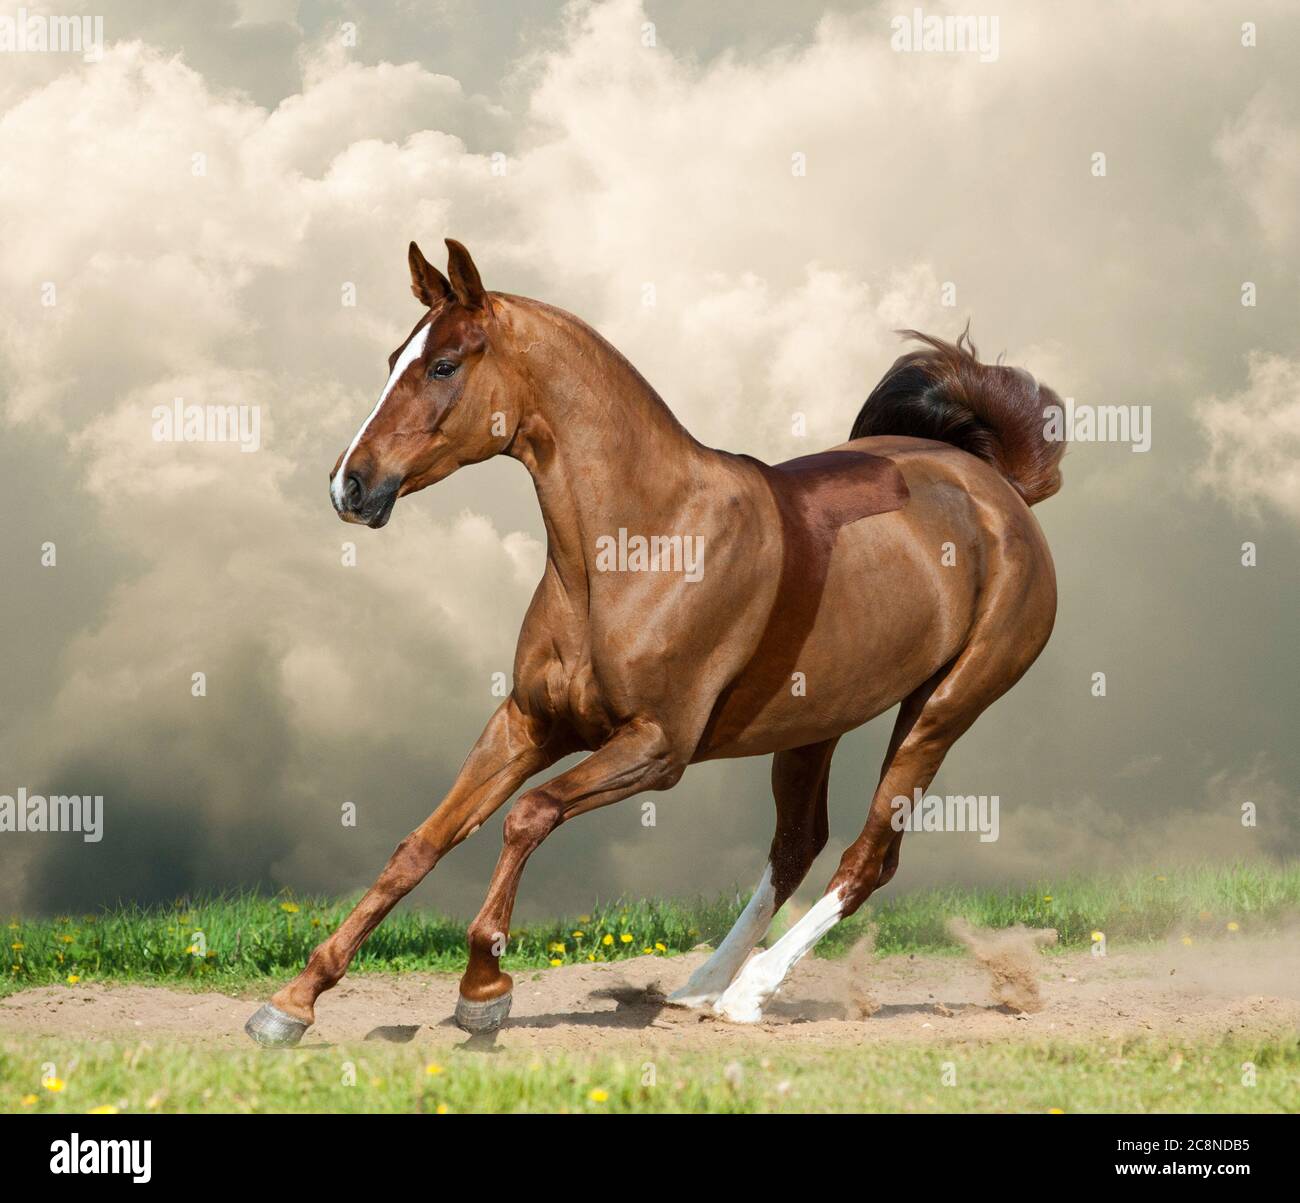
point(992, 411)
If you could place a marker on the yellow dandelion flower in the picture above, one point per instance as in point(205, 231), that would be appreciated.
point(556, 962)
point(606, 940)
point(1055, 1111)
point(584, 918)
point(1233, 925)
point(591, 956)
point(68, 939)
point(192, 949)
point(28, 1100)
point(1047, 898)
point(433, 1069)
point(1187, 940)
point(558, 946)
point(577, 935)
point(103, 1109)
point(1161, 877)
point(625, 938)
point(1098, 937)
point(660, 946)
point(289, 908)
point(599, 1096)
point(647, 952)
point(442, 1109)
point(17, 946)
point(53, 1085)
point(73, 978)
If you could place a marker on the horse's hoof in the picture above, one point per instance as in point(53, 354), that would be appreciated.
point(272, 1028)
point(691, 1001)
point(740, 1005)
point(479, 1017)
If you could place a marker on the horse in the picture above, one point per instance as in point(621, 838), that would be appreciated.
point(902, 567)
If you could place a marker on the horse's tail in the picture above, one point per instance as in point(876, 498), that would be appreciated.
point(995, 412)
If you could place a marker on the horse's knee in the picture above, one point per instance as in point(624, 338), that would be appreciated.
point(532, 819)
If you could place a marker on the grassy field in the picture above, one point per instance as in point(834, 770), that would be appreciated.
point(237, 942)
point(1134, 1077)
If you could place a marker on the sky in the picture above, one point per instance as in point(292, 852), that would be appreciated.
point(217, 208)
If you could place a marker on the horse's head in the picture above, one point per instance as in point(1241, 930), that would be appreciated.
point(448, 400)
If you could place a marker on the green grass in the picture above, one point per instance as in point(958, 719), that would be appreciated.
point(229, 942)
point(1106, 1077)
point(246, 939)
point(1130, 907)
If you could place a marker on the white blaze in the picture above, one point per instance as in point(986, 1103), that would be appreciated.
point(410, 353)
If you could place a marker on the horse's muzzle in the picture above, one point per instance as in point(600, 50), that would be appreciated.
point(367, 507)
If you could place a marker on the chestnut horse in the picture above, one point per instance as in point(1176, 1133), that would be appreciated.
point(698, 604)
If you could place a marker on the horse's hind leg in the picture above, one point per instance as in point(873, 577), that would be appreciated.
point(799, 783)
point(930, 721)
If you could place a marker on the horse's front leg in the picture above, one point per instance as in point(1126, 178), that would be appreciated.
point(510, 750)
point(637, 757)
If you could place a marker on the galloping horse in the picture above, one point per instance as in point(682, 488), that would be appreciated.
point(903, 566)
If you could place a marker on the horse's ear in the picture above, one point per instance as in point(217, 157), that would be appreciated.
point(428, 284)
point(464, 275)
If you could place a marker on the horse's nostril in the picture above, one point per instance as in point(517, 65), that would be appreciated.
point(352, 491)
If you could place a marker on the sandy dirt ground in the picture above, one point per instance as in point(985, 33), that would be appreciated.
point(1004, 990)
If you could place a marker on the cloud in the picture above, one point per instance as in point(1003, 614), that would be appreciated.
point(1253, 459)
point(204, 199)
point(231, 564)
point(1260, 150)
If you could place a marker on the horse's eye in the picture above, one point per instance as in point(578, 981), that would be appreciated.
point(442, 369)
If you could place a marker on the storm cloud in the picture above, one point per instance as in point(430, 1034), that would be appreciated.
point(748, 201)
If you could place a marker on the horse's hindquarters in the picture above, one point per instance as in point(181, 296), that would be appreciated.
point(897, 600)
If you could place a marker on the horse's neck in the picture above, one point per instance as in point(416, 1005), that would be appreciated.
point(603, 449)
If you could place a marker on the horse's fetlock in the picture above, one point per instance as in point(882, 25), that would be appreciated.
point(486, 938)
point(327, 964)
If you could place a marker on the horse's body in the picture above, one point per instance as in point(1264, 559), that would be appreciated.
point(629, 642)
point(890, 569)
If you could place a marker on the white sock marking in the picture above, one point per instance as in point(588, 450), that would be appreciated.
point(743, 1000)
point(715, 975)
